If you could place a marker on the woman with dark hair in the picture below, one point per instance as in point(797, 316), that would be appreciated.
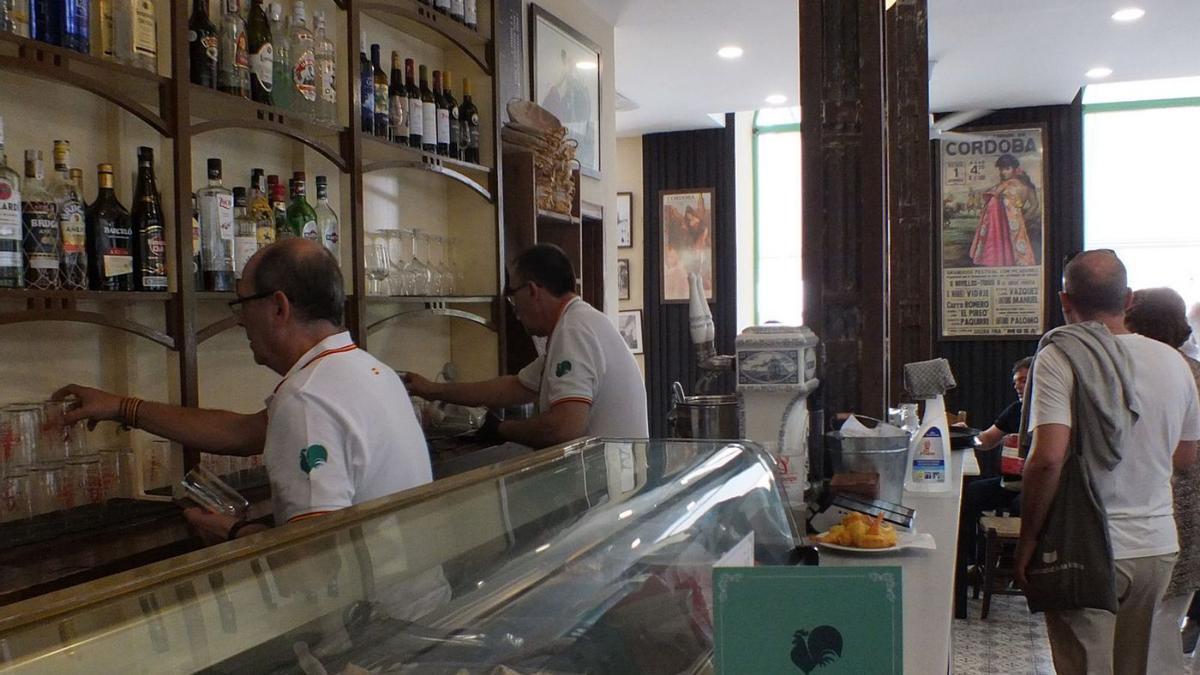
point(1160, 314)
point(1011, 210)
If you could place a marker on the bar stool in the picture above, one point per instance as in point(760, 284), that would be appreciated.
point(1000, 543)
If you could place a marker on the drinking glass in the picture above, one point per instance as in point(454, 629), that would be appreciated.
point(20, 433)
point(206, 489)
point(46, 489)
point(156, 467)
point(375, 261)
point(422, 273)
point(111, 474)
point(14, 496)
point(445, 277)
point(456, 273)
point(81, 482)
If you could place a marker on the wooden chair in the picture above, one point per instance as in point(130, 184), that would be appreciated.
point(1000, 535)
point(952, 418)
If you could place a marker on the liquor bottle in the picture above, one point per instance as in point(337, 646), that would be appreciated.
point(75, 29)
point(109, 238)
point(279, 209)
point(456, 10)
point(470, 14)
point(303, 64)
point(197, 266)
point(234, 77)
point(72, 223)
point(326, 73)
point(144, 35)
point(366, 84)
point(416, 118)
point(327, 220)
point(398, 103)
point(14, 17)
point(149, 232)
point(45, 21)
point(281, 68)
point(216, 231)
point(105, 47)
point(469, 116)
point(380, 86)
point(443, 115)
point(260, 47)
point(203, 46)
point(302, 219)
point(442, 6)
point(455, 148)
point(12, 259)
point(245, 242)
point(428, 114)
point(39, 218)
point(260, 210)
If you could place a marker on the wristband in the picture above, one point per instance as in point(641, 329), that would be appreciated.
point(237, 527)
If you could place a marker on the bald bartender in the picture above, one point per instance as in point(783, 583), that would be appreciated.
point(586, 383)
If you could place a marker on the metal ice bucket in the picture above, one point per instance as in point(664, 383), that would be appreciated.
point(711, 417)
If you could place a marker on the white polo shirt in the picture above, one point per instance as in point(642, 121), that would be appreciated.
point(341, 431)
point(587, 360)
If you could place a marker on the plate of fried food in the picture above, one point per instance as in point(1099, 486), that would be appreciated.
point(860, 533)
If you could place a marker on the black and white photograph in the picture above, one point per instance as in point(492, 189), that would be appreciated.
point(629, 324)
point(565, 73)
point(622, 278)
point(624, 220)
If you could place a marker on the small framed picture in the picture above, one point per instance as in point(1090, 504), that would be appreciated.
point(565, 72)
point(622, 278)
point(624, 220)
point(629, 323)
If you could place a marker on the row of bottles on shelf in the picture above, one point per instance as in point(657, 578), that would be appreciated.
point(462, 11)
point(128, 29)
point(266, 58)
point(406, 113)
point(50, 238)
point(231, 225)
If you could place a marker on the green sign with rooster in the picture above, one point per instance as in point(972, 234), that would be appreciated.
point(808, 620)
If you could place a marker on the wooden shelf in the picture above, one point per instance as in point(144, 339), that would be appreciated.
point(379, 154)
point(434, 299)
point(554, 218)
point(218, 110)
point(63, 306)
point(138, 91)
point(84, 296)
point(428, 25)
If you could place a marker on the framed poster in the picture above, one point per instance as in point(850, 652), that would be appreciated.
point(624, 220)
point(622, 278)
point(565, 77)
point(993, 228)
point(686, 220)
point(629, 324)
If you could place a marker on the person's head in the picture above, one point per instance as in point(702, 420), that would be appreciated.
point(541, 278)
point(1020, 375)
point(1095, 287)
point(289, 297)
point(1159, 314)
point(1007, 164)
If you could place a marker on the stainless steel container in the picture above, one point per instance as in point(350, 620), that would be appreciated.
point(711, 417)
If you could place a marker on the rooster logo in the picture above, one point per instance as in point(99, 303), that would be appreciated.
point(819, 647)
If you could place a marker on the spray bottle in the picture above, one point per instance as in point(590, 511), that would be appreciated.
point(929, 465)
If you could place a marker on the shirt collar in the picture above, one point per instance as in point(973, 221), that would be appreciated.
point(561, 311)
point(335, 341)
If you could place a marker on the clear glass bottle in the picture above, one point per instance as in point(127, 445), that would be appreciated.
point(39, 218)
point(149, 231)
point(327, 220)
point(260, 209)
point(470, 14)
point(303, 63)
point(234, 77)
point(12, 258)
point(245, 239)
point(216, 230)
point(282, 68)
point(302, 219)
point(72, 222)
point(326, 72)
point(144, 35)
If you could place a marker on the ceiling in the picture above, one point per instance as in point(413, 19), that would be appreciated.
point(985, 54)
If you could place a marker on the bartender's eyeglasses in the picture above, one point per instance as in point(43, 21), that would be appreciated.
point(235, 306)
point(510, 292)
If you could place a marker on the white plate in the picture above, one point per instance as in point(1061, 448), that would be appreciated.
point(855, 549)
point(904, 540)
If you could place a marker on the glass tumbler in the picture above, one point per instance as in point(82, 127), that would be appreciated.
point(110, 474)
point(82, 474)
point(20, 433)
point(156, 465)
point(206, 489)
point(14, 497)
point(46, 489)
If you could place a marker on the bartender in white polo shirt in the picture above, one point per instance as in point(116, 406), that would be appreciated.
point(339, 428)
point(586, 382)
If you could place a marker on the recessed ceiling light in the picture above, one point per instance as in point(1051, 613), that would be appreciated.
point(776, 99)
point(1128, 14)
point(1099, 73)
point(586, 65)
point(730, 52)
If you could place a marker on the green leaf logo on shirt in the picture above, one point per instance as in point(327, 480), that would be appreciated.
point(562, 368)
point(312, 457)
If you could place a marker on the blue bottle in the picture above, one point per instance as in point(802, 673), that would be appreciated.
point(366, 88)
point(45, 21)
point(75, 29)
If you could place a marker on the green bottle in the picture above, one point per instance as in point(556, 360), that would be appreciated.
point(302, 219)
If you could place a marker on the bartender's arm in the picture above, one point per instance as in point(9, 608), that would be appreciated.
point(216, 431)
point(564, 422)
point(499, 392)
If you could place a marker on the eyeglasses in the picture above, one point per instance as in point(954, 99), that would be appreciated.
point(235, 306)
point(510, 292)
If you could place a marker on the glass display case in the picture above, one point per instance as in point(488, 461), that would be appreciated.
point(590, 557)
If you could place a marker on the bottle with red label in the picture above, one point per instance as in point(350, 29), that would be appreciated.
point(150, 240)
point(39, 218)
point(109, 239)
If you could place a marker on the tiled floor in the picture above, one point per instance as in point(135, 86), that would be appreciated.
point(1011, 641)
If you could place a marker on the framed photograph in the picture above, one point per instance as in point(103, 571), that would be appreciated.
point(565, 70)
point(622, 278)
point(686, 220)
point(624, 220)
point(629, 324)
point(991, 251)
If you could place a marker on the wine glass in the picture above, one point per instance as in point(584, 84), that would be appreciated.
point(445, 274)
point(396, 278)
point(375, 261)
point(422, 274)
point(456, 275)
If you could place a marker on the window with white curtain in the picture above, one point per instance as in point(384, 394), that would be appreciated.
point(778, 278)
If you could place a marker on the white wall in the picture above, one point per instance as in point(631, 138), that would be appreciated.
point(629, 179)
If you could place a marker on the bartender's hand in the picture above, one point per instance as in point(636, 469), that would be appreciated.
point(418, 385)
point(94, 405)
point(214, 528)
point(1021, 561)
